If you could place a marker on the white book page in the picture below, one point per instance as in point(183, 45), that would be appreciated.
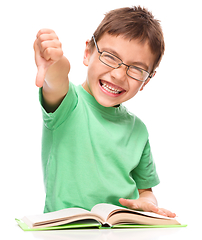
point(64, 213)
point(104, 210)
point(151, 214)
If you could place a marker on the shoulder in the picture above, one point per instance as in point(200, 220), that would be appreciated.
point(138, 126)
point(137, 121)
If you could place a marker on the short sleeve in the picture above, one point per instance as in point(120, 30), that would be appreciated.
point(55, 119)
point(145, 174)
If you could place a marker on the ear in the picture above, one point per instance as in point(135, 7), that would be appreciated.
point(87, 54)
point(145, 83)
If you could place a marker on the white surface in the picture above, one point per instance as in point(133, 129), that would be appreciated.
point(105, 234)
point(170, 106)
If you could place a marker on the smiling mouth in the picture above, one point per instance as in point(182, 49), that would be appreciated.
point(111, 88)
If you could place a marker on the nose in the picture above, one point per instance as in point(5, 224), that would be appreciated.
point(119, 73)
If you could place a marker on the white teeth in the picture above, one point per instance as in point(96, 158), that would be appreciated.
point(110, 89)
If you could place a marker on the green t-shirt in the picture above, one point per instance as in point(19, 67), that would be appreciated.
point(93, 154)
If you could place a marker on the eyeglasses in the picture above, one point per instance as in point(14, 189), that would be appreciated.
point(115, 62)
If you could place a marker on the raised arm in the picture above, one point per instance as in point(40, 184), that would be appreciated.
point(53, 69)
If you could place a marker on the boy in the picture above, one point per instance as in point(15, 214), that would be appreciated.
point(93, 149)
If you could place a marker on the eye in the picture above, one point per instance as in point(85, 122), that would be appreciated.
point(108, 56)
point(137, 73)
point(110, 60)
point(136, 69)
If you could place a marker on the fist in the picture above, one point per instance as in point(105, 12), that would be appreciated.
point(48, 50)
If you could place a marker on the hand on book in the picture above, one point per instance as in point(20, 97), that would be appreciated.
point(145, 205)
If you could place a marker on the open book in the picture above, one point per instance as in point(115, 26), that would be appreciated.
point(101, 215)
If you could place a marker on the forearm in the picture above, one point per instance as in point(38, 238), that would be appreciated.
point(57, 75)
point(56, 84)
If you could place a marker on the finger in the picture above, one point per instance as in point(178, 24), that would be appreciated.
point(50, 44)
point(168, 213)
point(40, 77)
point(35, 45)
point(149, 207)
point(46, 37)
point(160, 212)
point(44, 31)
point(53, 54)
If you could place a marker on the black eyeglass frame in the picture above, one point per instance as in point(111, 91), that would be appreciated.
point(150, 75)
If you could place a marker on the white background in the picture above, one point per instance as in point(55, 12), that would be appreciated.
point(170, 105)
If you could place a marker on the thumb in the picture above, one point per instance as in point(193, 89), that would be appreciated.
point(40, 77)
point(129, 203)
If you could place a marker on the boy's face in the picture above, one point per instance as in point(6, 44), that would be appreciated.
point(110, 86)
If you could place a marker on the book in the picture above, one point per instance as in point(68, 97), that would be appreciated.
point(102, 215)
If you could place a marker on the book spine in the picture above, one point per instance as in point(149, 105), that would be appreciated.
point(105, 225)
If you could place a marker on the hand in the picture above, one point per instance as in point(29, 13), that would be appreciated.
point(145, 205)
point(48, 50)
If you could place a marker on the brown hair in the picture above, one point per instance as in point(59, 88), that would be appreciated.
point(133, 23)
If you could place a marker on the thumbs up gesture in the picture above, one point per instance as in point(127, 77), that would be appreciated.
point(48, 50)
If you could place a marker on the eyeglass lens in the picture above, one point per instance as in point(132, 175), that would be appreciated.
point(132, 71)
